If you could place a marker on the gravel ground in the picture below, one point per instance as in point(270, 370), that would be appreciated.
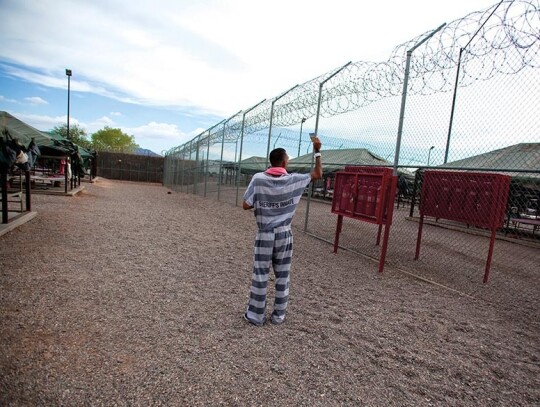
point(129, 295)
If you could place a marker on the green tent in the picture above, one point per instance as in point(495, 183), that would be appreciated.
point(62, 141)
point(49, 143)
point(253, 165)
point(521, 157)
point(333, 161)
point(22, 131)
point(336, 160)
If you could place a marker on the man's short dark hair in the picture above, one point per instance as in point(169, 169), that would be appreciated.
point(277, 156)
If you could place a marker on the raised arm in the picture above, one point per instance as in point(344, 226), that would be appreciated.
point(317, 171)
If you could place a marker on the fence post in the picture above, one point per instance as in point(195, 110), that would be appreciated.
point(414, 191)
point(167, 169)
point(453, 108)
point(221, 158)
point(180, 169)
point(222, 148)
point(404, 95)
point(241, 144)
point(196, 175)
point(205, 167)
point(208, 154)
point(316, 131)
point(184, 168)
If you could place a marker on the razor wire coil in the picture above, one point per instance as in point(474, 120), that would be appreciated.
point(506, 43)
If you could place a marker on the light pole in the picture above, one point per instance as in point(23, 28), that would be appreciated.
point(300, 141)
point(68, 74)
point(429, 154)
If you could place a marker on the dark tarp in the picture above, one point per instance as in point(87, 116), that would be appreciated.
point(336, 160)
point(24, 134)
point(521, 157)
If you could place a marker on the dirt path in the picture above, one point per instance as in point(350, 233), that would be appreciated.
point(128, 295)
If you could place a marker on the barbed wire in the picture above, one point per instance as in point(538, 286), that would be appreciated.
point(502, 39)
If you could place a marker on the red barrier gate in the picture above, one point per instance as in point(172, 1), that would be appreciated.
point(367, 194)
point(474, 198)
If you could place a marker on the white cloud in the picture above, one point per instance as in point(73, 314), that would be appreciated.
point(6, 100)
point(99, 124)
point(169, 133)
point(36, 100)
point(45, 123)
point(204, 56)
point(217, 57)
point(151, 135)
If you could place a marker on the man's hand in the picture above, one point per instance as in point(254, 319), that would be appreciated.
point(316, 144)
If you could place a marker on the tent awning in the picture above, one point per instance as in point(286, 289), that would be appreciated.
point(336, 160)
point(23, 132)
point(48, 143)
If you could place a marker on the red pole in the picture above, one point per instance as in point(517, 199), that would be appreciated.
point(390, 214)
point(419, 238)
point(490, 253)
point(338, 231)
point(379, 235)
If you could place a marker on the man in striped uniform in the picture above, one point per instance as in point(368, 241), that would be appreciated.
point(274, 194)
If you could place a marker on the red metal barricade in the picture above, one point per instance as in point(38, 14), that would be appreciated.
point(367, 194)
point(474, 198)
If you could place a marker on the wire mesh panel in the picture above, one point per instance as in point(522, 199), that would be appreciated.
point(475, 199)
point(130, 167)
point(463, 97)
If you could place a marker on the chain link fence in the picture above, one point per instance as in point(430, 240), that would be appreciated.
point(129, 167)
point(463, 97)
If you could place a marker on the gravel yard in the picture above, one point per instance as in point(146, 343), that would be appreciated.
point(128, 295)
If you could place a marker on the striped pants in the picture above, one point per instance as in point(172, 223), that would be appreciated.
point(274, 249)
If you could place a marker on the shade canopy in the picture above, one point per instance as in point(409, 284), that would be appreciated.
point(23, 132)
point(336, 160)
point(521, 157)
point(49, 143)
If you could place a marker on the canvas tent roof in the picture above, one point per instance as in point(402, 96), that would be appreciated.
point(250, 165)
point(336, 160)
point(23, 132)
point(62, 141)
point(521, 157)
point(48, 143)
point(333, 161)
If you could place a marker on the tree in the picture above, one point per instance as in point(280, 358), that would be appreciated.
point(113, 139)
point(77, 135)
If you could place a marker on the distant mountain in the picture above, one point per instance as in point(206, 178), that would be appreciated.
point(145, 151)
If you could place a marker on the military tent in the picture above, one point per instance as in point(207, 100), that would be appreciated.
point(336, 160)
point(518, 157)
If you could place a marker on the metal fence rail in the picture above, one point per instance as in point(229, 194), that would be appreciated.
point(461, 97)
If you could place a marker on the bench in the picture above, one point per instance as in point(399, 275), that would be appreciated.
point(535, 223)
point(15, 197)
point(38, 180)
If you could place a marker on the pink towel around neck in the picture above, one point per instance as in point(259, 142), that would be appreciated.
point(276, 171)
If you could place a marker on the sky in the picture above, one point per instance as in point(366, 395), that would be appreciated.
point(164, 71)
